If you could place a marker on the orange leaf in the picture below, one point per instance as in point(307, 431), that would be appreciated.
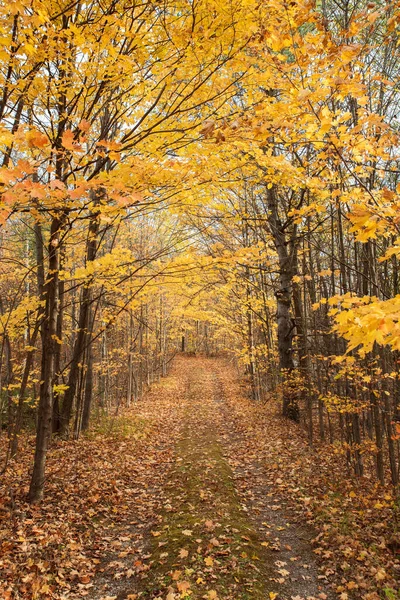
point(183, 586)
point(36, 139)
point(69, 142)
point(84, 125)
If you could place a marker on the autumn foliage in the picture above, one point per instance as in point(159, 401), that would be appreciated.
point(200, 177)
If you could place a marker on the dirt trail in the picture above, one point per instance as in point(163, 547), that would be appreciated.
point(220, 532)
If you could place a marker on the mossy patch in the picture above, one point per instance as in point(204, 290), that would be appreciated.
point(205, 546)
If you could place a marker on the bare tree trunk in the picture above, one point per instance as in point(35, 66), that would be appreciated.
point(88, 390)
point(376, 412)
point(82, 334)
point(57, 367)
point(49, 350)
point(290, 407)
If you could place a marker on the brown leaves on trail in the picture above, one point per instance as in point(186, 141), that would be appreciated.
point(102, 492)
point(110, 497)
point(209, 539)
point(353, 517)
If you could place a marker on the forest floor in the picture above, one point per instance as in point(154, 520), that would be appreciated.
point(196, 492)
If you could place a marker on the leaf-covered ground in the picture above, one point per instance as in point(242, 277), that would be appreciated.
point(196, 492)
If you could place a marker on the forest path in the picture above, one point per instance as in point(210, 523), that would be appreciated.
point(220, 532)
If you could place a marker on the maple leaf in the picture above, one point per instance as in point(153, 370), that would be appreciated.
point(214, 542)
point(56, 184)
point(380, 575)
point(36, 139)
point(183, 553)
point(84, 125)
point(187, 532)
point(68, 140)
point(183, 587)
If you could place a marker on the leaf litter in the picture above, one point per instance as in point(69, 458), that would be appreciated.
point(196, 492)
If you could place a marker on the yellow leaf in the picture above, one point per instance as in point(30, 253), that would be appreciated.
point(187, 532)
point(380, 575)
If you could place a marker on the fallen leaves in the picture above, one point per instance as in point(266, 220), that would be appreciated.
point(97, 506)
point(183, 587)
point(354, 518)
point(92, 509)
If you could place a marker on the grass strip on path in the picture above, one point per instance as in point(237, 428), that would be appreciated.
point(206, 547)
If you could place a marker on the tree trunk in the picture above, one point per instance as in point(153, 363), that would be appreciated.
point(290, 407)
point(82, 334)
point(49, 350)
point(88, 390)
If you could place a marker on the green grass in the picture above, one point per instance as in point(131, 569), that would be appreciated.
point(201, 490)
